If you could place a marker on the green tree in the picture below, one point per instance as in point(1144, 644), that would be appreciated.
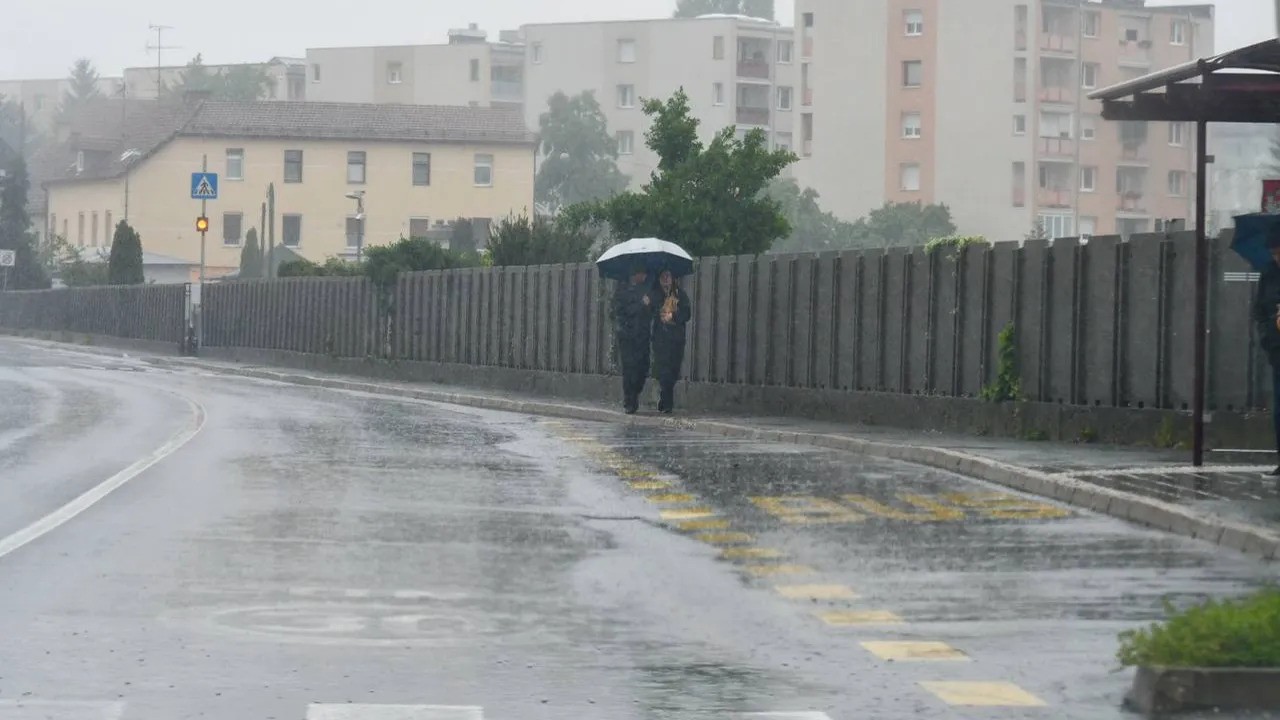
point(28, 272)
point(754, 8)
point(909, 224)
point(521, 240)
point(243, 82)
point(462, 237)
point(124, 266)
point(84, 86)
point(707, 198)
point(581, 157)
point(195, 77)
point(812, 228)
point(251, 260)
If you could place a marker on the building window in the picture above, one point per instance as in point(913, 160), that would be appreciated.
point(626, 51)
point(911, 125)
point(1089, 23)
point(914, 21)
point(626, 96)
point(1088, 225)
point(910, 177)
point(80, 230)
point(1019, 184)
point(912, 73)
point(1056, 125)
point(353, 232)
point(626, 142)
point(93, 229)
point(782, 141)
point(1019, 124)
point(475, 71)
point(806, 133)
point(786, 51)
point(293, 166)
point(1088, 179)
point(356, 167)
point(1055, 225)
point(421, 169)
point(235, 163)
point(484, 170)
point(717, 94)
point(1088, 127)
point(535, 53)
point(291, 230)
point(1089, 75)
point(1177, 133)
point(807, 19)
point(395, 73)
point(717, 47)
point(1178, 32)
point(1131, 35)
point(785, 98)
point(315, 73)
point(1020, 80)
point(419, 228)
point(231, 226)
point(1177, 183)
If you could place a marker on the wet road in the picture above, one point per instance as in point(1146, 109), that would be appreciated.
point(175, 544)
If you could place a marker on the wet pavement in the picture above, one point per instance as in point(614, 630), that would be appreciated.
point(294, 552)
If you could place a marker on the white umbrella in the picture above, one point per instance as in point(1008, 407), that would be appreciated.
point(654, 254)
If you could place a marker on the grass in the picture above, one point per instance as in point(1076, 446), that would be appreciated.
point(1243, 633)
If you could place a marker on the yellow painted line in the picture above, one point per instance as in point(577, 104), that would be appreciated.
point(850, 618)
point(648, 484)
point(749, 553)
point(982, 694)
point(698, 513)
point(725, 538)
point(671, 499)
point(816, 592)
point(807, 510)
point(914, 651)
point(1006, 507)
point(703, 524)
point(635, 473)
point(925, 509)
point(770, 570)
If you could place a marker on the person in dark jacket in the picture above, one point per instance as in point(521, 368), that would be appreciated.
point(632, 319)
point(1266, 316)
point(672, 312)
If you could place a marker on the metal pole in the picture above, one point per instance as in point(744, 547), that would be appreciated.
point(1202, 299)
point(360, 234)
point(204, 206)
point(270, 270)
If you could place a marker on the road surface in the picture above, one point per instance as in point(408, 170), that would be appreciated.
point(178, 544)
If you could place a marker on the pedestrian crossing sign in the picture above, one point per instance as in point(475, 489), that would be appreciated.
point(204, 186)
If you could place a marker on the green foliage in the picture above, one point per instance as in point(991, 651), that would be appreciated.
point(708, 199)
point(812, 228)
point(521, 240)
point(242, 82)
point(124, 266)
point(1243, 633)
point(955, 242)
point(1035, 436)
point(1088, 435)
point(581, 157)
point(84, 86)
point(333, 267)
point(251, 258)
point(754, 8)
point(383, 263)
point(29, 272)
point(904, 225)
point(462, 237)
point(1007, 386)
point(1167, 434)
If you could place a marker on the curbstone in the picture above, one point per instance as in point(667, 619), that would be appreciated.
point(1234, 538)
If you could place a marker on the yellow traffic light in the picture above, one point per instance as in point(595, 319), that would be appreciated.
point(202, 224)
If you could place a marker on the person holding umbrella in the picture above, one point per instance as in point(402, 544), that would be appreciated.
point(632, 318)
point(672, 312)
point(1257, 240)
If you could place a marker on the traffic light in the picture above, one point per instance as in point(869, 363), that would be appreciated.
point(202, 224)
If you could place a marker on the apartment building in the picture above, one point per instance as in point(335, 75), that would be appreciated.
point(286, 78)
point(42, 98)
point(983, 105)
point(418, 165)
point(738, 72)
point(468, 70)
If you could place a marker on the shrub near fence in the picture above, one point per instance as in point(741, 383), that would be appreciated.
point(137, 312)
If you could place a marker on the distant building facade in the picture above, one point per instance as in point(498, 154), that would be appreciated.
point(42, 98)
point(286, 78)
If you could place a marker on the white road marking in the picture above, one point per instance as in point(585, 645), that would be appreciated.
point(348, 711)
point(790, 715)
point(61, 709)
point(91, 497)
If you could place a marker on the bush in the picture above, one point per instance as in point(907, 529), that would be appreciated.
point(954, 241)
point(1007, 386)
point(124, 265)
point(333, 267)
point(1242, 633)
point(521, 240)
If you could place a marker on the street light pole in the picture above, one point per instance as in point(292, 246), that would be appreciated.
point(358, 196)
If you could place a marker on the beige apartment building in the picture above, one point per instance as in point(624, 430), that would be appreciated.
point(469, 70)
point(983, 105)
point(738, 72)
point(286, 76)
point(418, 167)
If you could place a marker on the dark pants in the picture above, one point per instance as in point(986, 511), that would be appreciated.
point(668, 359)
point(634, 355)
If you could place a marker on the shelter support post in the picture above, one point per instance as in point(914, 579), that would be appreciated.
point(1202, 299)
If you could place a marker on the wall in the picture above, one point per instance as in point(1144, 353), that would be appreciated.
point(163, 213)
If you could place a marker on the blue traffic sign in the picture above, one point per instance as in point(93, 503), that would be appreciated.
point(204, 186)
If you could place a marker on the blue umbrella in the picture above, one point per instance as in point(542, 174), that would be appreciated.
point(652, 254)
point(1250, 241)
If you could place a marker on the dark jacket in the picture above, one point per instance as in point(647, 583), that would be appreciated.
point(669, 338)
point(631, 317)
point(1266, 303)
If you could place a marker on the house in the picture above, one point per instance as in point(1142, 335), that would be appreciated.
point(416, 165)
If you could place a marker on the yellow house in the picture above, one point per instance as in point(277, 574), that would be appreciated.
point(418, 167)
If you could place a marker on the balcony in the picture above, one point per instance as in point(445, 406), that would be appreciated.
point(1135, 54)
point(1058, 95)
point(806, 48)
point(1133, 154)
point(1054, 43)
point(753, 115)
point(807, 97)
point(1131, 202)
point(1053, 198)
point(756, 69)
point(1057, 147)
point(507, 91)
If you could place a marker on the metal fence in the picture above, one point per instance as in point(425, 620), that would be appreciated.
point(142, 312)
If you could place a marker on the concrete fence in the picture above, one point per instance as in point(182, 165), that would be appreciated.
point(154, 313)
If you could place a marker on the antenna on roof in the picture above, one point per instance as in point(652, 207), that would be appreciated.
point(159, 49)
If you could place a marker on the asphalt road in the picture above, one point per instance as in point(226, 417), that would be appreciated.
point(177, 544)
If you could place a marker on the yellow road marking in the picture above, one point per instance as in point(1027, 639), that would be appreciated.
point(816, 592)
point(1006, 507)
point(636, 473)
point(806, 510)
point(768, 570)
point(671, 499)
point(749, 553)
point(703, 524)
point(648, 484)
point(928, 510)
point(849, 618)
point(982, 694)
point(697, 513)
point(725, 538)
point(914, 651)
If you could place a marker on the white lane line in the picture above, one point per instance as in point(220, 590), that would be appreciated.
point(791, 715)
point(91, 497)
point(349, 711)
point(62, 709)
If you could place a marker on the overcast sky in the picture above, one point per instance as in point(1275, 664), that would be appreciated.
point(41, 38)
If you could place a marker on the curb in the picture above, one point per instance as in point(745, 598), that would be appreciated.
point(1125, 506)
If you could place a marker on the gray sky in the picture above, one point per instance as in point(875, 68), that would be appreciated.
point(41, 38)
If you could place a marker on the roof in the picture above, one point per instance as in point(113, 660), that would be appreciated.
point(1264, 56)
